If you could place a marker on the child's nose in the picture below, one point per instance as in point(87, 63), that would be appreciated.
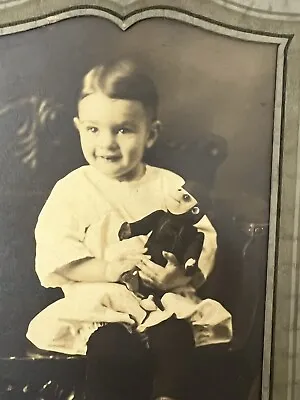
point(107, 139)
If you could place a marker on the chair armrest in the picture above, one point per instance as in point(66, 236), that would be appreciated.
point(238, 279)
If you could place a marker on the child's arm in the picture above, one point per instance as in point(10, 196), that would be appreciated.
point(95, 270)
point(61, 252)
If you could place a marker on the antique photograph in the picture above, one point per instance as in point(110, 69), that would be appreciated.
point(135, 193)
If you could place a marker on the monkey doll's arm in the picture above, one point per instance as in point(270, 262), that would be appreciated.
point(141, 227)
point(192, 254)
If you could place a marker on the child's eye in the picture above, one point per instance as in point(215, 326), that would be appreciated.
point(92, 129)
point(124, 130)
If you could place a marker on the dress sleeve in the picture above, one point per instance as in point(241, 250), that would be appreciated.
point(59, 238)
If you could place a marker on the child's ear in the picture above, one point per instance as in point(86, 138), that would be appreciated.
point(155, 130)
point(76, 123)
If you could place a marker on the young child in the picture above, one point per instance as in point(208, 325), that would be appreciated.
point(77, 249)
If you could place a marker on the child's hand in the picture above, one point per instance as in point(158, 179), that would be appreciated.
point(116, 268)
point(134, 245)
point(165, 278)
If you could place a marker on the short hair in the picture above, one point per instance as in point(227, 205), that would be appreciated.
point(122, 79)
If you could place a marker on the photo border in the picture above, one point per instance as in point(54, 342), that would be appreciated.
point(259, 12)
point(124, 18)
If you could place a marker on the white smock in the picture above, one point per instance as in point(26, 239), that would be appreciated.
point(81, 219)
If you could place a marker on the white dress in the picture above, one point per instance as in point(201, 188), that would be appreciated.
point(81, 219)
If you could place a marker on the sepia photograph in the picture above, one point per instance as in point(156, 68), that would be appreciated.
point(136, 171)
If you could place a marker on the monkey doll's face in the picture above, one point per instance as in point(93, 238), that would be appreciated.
point(180, 202)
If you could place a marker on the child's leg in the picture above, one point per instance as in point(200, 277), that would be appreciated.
point(172, 346)
point(118, 365)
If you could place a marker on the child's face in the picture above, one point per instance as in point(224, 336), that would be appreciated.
point(114, 134)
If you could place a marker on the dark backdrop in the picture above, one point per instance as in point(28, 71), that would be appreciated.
point(207, 83)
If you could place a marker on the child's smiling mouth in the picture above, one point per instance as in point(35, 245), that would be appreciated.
point(110, 157)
